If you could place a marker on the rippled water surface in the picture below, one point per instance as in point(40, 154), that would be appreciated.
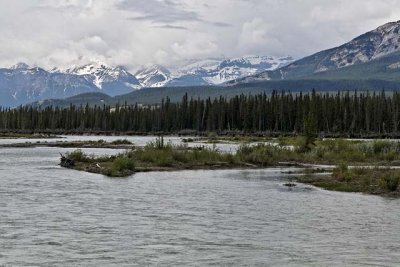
point(51, 216)
point(136, 140)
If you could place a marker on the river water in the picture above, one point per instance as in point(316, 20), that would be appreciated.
point(51, 216)
point(227, 147)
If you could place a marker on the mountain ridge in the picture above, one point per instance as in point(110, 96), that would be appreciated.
point(21, 83)
point(368, 47)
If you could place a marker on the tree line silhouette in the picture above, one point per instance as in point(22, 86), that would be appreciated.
point(340, 113)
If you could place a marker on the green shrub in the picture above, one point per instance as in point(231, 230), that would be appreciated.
point(282, 141)
point(180, 156)
point(261, 154)
point(302, 145)
point(390, 156)
point(342, 173)
point(121, 142)
point(150, 155)
point(77, 156)
point(391, 181)
point(121, 164)
point(158, 144)
point(380, 146)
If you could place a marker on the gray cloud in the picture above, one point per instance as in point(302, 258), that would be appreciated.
point(168, 26)
point(165, 11)
point(138, 32)
point(221, 24)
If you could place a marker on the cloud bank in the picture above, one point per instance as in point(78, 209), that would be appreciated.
point(140, 32)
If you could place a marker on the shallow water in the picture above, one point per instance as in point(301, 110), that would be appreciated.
point(51, 216)
point(136, 140)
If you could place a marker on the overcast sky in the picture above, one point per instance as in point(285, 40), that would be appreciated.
point(140, 32)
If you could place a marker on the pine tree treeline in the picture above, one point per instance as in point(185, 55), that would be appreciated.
point(348, 113)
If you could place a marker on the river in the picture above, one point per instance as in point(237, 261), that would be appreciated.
point(51, 216)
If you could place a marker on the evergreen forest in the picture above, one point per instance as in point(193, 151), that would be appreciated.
point(347, 113)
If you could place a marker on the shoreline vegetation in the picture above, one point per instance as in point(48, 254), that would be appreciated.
point(27, 135)
point(221, 135)
point(373, 163)
point(117, 144)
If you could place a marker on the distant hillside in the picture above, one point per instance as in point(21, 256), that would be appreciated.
point(78, 100)
point(175, 94)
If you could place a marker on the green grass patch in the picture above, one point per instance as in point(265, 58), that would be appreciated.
point(366, 180)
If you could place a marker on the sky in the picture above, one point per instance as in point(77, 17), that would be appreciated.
point(133, 33)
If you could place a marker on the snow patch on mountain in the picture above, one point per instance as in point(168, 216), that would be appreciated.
point(19, 66)
point(155, 76)
point(210, 71)
point(108, 79)
point(99, 73)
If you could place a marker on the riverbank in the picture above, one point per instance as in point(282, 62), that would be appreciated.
point(15, 135)
point(117, 144)
point(227, 135)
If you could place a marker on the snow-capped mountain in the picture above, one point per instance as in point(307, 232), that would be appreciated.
point(372, 47)
point(19, 66)
point(110, 80)
point(231, 69)
point(21, 84)
point(210, 71)
point(155, 76)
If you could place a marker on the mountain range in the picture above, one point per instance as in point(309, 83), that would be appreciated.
point(371, 61)
point(209, 72)
point(21, 84)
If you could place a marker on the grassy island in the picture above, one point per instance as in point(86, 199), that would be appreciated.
point(157, 156)
point(376, 181)
point(373, 162)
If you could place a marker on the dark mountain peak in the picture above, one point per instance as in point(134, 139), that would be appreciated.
point(389, 26)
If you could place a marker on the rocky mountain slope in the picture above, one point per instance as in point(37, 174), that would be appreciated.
point(372, 47)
